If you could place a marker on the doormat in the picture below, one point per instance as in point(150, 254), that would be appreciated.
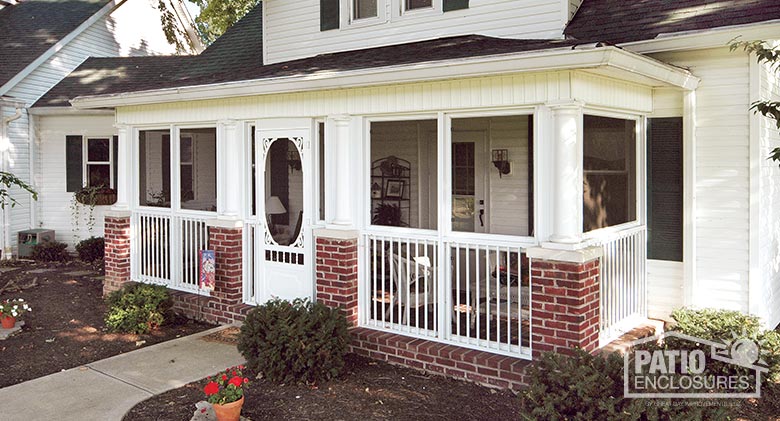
point(226, 336)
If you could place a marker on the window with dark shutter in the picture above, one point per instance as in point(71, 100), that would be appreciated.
point(450, 5)
point(329, 15)
point(665, 189)
point(74, 168)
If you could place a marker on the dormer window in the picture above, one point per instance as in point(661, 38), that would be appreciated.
point(364, 9)
point(343, 14)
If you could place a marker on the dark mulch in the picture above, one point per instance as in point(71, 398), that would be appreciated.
point(367, 390)
point(66, 328)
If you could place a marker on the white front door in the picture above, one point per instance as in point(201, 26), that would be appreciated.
point(283, 241)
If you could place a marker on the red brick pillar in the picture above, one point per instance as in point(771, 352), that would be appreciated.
point(337, 275)
point(226, 302)
point(117, 251)
point(565, 300)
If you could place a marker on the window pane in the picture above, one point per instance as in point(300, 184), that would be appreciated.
point(154, 164)
point(98, 150)
point(418, 4)
point(485, 200)
point(609, 162)
point(284, 195)
point(364, 9)
point(198, 169)
point(403, 174)
point(99, 175)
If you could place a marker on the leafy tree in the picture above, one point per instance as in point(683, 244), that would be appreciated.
point(216, 16)
point(765, 54)
point(8, 180)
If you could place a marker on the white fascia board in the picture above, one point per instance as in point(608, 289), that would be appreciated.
point(44, 111)
point(549, 60)
point(708, 38)
point(11, 102)
point(54, 49)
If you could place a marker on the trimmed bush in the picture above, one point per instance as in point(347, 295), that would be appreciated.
point(91, 249)
point(587, 387)
point(137, 308)
point(294, 342)
point(50, 251)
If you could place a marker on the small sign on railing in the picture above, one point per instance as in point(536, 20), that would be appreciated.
point(207, 270)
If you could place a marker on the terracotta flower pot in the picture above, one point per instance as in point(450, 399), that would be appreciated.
point(229, 411)
point(9, 322)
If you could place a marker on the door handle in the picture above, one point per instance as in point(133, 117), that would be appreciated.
point(481, 218)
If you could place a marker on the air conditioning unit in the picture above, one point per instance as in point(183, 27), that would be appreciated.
point(31, 238)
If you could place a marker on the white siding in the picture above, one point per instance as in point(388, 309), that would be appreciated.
point(292, 28)
point(722, 176)
point(768, 304)
point(54, 202)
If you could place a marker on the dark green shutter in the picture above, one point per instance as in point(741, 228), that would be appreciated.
point(329, 15)
point(665, 189)
point(450, 5)
point(115, 158)
point(74, 163)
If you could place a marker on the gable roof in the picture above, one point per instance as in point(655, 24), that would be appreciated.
point(620, 21)
point(32, 27)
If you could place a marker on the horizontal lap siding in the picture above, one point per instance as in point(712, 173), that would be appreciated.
point(292, 28)
point(722, 175)
point(769, 207)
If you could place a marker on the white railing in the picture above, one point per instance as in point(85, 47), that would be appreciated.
point(165, 248)
point(623, 283)
point(478, 297)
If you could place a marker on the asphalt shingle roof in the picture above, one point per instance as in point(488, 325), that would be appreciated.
point(30, 28)
point(620, 21)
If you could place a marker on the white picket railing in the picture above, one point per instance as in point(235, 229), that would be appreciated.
point(479, 298)
point(623, 282)
point(165, 247)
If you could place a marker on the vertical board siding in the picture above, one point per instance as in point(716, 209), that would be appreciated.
point(54, 201)
point(292, 28)
point(769, 206)
point(722, 175)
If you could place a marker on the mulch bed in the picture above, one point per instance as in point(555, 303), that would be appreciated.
point(367, 390)
point(66, 328)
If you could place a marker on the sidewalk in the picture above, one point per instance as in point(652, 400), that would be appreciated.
point(107, 389)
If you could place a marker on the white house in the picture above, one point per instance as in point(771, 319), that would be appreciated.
point(41, 43)
point(466, 178)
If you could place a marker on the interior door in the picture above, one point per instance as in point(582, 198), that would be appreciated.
point(469, 210)
point(283, 258)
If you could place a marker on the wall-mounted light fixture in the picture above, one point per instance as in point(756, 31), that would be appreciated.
point(294, 160)
point(501, 161)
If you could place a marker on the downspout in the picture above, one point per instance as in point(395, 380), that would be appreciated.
point(5, 146)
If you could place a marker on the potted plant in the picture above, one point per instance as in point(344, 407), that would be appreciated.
point(225, 393)
point(96, 196)
point(387, 214)
point(10, 310)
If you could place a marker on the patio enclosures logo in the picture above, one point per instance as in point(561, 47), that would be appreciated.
point(691, 367)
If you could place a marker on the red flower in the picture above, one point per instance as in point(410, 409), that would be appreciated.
point(235, 381)
point(234, 373)
point(224, 377)
point(211, 389)
point(246, 380)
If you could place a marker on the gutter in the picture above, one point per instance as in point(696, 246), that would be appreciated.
point(558, 59)
point(5, 144)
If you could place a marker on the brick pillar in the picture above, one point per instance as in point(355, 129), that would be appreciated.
point(117, 251)
point(565, 300)
point(337, 275)
point(226, 305)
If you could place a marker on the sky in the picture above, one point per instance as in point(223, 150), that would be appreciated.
point(193, 9)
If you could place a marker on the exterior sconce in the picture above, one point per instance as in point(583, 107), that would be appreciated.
point(294, 160)
point(501, 161)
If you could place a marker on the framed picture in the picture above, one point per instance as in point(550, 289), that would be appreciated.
point(394, 189)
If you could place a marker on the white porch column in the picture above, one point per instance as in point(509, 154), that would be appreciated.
point(230, 161)
point(567, 164)
point(123, 182)
point(342, 171)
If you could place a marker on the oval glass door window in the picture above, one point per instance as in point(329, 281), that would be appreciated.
point(284, 191)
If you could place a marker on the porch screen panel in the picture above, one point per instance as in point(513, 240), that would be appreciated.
point(198, 169)
point(609, 172)
point(665, 189)
point(154, 178)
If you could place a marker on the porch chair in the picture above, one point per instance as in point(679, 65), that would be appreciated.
point(415, 284)
point(505, 280)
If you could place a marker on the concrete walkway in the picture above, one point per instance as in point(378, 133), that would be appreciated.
point(107, 389)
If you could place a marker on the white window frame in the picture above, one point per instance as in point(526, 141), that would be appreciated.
point(348, 15)
point(640, 168)
point(399, 6)
point(85, 162)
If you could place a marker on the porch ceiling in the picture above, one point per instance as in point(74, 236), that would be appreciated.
point(603, 60)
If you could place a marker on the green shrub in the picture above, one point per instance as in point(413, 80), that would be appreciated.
point(587, 387)
point(294, 342)
point(91, 249)
point(137, 308)
point(50, 251)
